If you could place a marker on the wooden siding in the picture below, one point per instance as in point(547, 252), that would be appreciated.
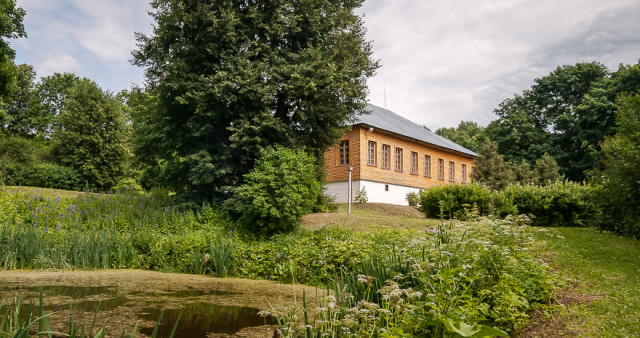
point(358, 146)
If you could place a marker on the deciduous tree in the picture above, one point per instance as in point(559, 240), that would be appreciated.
point(91, 135)
point(235, 77)
point(11, 27)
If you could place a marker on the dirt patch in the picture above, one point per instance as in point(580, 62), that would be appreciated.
point(555, 321)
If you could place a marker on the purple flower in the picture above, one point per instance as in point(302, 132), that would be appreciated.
point(202, 204)
point(46, 229)
point(59, 226)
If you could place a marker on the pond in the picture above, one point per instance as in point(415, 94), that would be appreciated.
point(209, 307)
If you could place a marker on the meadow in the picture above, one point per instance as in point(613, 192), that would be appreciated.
point(397, 274)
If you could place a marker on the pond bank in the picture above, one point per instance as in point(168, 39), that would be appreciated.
point(212, 307)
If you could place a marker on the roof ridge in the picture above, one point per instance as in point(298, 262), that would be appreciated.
point(383, 118)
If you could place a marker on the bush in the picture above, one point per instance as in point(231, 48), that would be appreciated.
point(559, 204)
point(43, 175)
point(281, 188)
point(413, 198)
point(361, 196)
point(452, 199)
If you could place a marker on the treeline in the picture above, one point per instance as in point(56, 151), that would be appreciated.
point(62, 131)
point(580, 123)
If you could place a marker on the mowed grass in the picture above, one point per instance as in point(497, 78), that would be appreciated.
point(602, 295)
point(370, 216)
point(46, 192)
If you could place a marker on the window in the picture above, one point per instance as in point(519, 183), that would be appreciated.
point(427, 165)
point(343, 152)
point(452, 171)
point(386, 187)
point(372, 153)
point(440, 169)
point(386, 156)
point(414, 163)
point(464, 173)
point(398, 159)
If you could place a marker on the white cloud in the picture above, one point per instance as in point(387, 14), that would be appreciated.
point(443, 61)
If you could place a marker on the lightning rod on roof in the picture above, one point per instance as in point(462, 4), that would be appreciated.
point(385, 97)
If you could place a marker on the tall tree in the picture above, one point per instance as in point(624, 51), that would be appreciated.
point(550, 120)
point(236, 76)
point(51, 94)
point(91, 135)
point(19, 119)
point(491, 169)
point(468, 134)
point(11, 27)
point(620, 178)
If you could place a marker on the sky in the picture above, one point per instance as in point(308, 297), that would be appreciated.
point(442, 61)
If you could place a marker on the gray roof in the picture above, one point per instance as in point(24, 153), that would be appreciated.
point(385, 119)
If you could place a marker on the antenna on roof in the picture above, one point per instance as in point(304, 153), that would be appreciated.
point(385, 97)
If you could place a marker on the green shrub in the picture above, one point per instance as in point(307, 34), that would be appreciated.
point(44, 175)
point(413, 198)
point(558, 204)
point(281, 188)
point(361, 196)
point(452, 199)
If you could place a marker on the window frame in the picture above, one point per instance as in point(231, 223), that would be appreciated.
point(400, 158)
point(386, 156)
point(372, 158)
point(343, 153)
point(441, 169)
point(452, 171)
point(427, 165)
point(463, 172)
point(414, 163)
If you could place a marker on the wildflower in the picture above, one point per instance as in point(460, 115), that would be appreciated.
point(59, 226)
point(264, 313)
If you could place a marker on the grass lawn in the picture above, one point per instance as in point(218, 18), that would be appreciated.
point(46, 192)
point(370, 216)
point(602, 295)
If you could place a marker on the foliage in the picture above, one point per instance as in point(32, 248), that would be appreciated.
point(467, 279)
point(43, 175)
point(99, 155)
point(281, 188)
point(468, 134)
point(51, 94)
point(566, 114)
point(11, 27)
point(554, 205)
point(547, 170)
point(19, 119)
point(361, 196)
point(325, 203)
point(24, 151)
point(413, 198)
point(620, 178)
point(451, 200)
point(309, 66)
point(491, 169)
point(557, 204)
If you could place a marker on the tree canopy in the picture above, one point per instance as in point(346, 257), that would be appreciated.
point(91, 135)
point(566, 114)
point(11, 27)
point(234, 77)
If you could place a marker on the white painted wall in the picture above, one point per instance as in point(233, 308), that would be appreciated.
point(376, 193)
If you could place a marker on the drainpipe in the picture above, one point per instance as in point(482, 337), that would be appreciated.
point(350, 189)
